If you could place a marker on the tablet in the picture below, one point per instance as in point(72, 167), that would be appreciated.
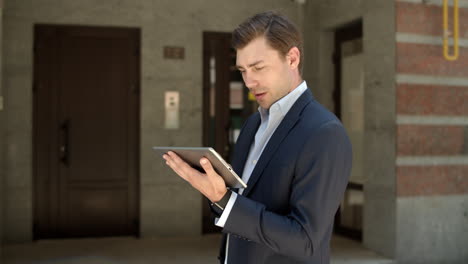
point(192, 156)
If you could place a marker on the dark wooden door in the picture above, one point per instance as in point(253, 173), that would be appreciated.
point(86, 126)
point(215, 104)
point(348, 43)
point(216, 75)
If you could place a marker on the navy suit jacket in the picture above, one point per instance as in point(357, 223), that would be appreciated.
point(286, 213)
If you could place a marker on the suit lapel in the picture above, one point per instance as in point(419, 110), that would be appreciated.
point(280, 133)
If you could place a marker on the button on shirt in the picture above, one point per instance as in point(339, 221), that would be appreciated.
point(270, 120)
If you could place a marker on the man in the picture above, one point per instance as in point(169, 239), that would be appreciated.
point(294, 155)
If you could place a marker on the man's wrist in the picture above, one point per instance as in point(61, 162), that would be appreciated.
point(218, 207)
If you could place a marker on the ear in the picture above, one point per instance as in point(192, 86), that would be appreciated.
point(294, 57)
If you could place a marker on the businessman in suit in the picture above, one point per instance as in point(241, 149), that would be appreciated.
point(293, 153)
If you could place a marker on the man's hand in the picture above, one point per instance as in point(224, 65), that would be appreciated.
point(209, 184)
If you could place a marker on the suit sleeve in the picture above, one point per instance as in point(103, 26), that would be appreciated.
point(321, 175)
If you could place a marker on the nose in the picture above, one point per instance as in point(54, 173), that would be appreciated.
point(249, 80)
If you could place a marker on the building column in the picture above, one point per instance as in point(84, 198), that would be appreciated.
point(379, 224)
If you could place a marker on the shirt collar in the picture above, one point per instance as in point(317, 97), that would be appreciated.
point(283, 105)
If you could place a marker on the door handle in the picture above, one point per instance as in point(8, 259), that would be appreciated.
point(64, 142)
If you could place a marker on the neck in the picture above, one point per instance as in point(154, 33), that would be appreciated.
point(296, 81)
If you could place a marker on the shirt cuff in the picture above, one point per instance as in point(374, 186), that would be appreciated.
point(221, 221)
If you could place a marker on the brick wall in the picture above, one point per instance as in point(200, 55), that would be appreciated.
point(432, 136)
point(432, 102)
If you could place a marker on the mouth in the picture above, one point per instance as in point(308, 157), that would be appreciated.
point(259, 96)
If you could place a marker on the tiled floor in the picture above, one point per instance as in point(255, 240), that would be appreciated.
point(127, 250)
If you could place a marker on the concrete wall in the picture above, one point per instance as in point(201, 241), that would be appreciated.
point(321, 19)
point(380, 202)
point(168, 205)
point(432, 229)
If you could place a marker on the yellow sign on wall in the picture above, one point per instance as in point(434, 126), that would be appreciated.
point(251, 97)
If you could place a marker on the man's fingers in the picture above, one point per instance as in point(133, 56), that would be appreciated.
point(182, 166)
point(210, 184)
point(179, 165)
point(170, 162)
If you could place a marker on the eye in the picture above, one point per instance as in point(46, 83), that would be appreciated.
point(259, 68)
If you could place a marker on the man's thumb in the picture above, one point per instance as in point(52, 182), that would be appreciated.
point(205, 163)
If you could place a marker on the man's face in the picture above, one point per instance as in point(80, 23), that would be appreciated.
point(267, 74)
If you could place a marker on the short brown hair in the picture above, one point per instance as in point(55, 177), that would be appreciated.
point(280, 33)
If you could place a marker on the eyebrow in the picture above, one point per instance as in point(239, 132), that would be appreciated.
point(250, 65)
